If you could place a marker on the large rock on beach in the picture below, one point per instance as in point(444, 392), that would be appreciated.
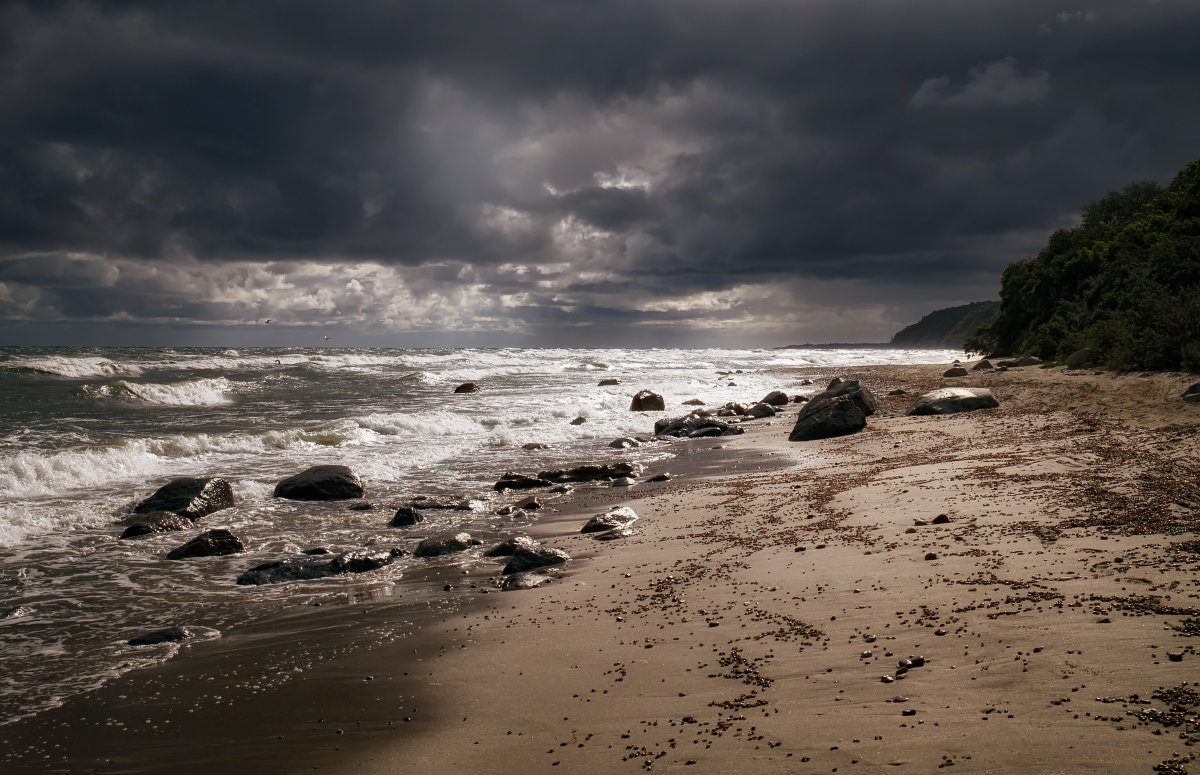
point(526, 558)
point(828, 418)
point(591, 472)
point(437, 546)
point(212, 543)
point(513, 481)
point(955, 371)
point(984, 365)
point(152, 524)
point(614, 519)
point(761, 410)
point(321, 483)
point(406, 516)
point(852, 389)
point(189, 497)
point(1192, 394)
point(363, 560)
point(647, 401)
point(953, 400)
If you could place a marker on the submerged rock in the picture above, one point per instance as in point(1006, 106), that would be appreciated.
point(152, 524)
point(306, 567)
point(213, 543)
point(364, 560)
point(591, 472)
point(406, 516)
point(526, 558)
point(321, 483)
point(616, 517)
point(165, 635)
point(189, 497)
point(953, 400)
point(694, 426)
point(513, 481)
point(608, 382)
point(647, 401)
point(15, 613)
point(467, 387)
point(439, 545)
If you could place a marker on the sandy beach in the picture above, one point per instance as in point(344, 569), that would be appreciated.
point(1007, 590)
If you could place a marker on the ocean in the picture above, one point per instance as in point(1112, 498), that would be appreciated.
point(88, 433)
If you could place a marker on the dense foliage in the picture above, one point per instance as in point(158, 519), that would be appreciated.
point(1124, 282)
point(947, 327)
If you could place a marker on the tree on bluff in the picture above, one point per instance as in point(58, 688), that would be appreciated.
point(1124, 282)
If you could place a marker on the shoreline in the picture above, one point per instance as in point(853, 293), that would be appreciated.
point(730, 631)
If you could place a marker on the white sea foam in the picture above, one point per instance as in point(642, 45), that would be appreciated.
point(73, 367)
point(191, 392)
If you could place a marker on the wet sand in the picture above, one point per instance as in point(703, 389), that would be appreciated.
point(757, 619)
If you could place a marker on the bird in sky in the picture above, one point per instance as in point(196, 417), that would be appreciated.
point(268, 321)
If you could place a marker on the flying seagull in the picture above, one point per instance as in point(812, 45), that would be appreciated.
point(268, 321)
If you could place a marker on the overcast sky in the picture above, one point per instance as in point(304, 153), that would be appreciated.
point(561, 172)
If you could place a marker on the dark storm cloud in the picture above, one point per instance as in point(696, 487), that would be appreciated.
point(514, 166)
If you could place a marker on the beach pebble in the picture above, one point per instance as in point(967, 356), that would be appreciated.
point(931, 556)
point(940, 519)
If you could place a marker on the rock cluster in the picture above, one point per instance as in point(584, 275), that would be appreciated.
point(308, 567)
point(321, 483)
point(177, 504)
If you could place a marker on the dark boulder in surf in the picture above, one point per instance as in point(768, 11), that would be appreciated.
point(213, 543)
point(321, 483)
point(152, 524)
point(440, 545)
point(647, 401)
point(406, 516)
point(467, 387)
point(189, 497)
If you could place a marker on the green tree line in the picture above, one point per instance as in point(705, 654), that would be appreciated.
point(1125, 282)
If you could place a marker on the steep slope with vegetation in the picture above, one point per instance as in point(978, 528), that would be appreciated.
point(1124, 282)
point(948, 327)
